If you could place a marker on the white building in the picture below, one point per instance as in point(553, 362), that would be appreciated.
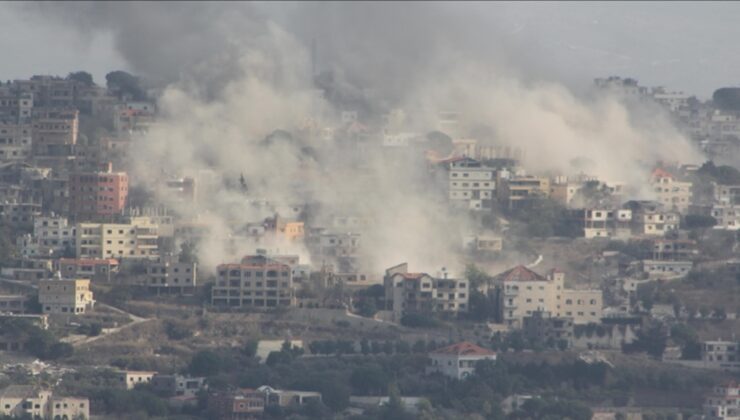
point(670, 192)
point(664, 269)
point(602, 223)
point(723, 403)
point(727, 216)
point(721, 355)
point(458, 360)
point(471, 183)
point(419, 292)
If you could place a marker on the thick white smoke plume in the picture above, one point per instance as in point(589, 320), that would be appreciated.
point(263, 78)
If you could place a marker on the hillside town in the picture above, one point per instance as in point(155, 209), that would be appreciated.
point(360, 264)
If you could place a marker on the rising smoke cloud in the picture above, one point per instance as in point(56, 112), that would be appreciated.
point(258, 76)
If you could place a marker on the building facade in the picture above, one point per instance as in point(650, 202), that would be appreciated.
point(419, 293)
point(122, 241)
point(458, 360)
point(257, 281)
point(98, 194)
point(59, 296)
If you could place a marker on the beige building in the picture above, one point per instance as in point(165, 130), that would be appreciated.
point(128, 379)
point(59, 296)
point(603, 223)
point(522, 292)
point(136, 240)
point(419, 292)
point(168, 275)
point(54, 127)
point(516, 192)
point(670, 192)
point(28, 401)
point(258, 281)
point(472, 183)
point(458, 361)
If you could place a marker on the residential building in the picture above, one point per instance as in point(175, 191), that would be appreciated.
point(19, 215)
point(178, 385)
point(721, 355)
point(128, 379)
point(603, 223)
point(24, 401)
point(552, 331)
point(257, 281)
point(134, 117)
point(726, 194)
point(288, 398)
point(52, 236)
point(649, 218)
point(458, 361)
point(15, 106)
point(518, 191)
point(53, 128)
point(167, 275)
point(727, 216)
point(522, 292)
point(98, 194)
point(673, 101)
point(672, 193)
point(419, 292)
point(15, 140)
point(136, 240)
point(674, 249)
point(236, 405)
point(58, 296)
point(69, 408)
point(13, 304)
point(662, 269)
point(626, 87)
point(94, 269)
point(484, 243)
point(723, 403)
point(471, 182)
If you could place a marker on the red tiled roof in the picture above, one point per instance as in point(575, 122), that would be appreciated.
point(520, 273)
point(661, 173)
point(465, 348)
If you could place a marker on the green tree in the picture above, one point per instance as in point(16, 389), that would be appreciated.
point(205, 363)
point(82, 77)
point(369, 380)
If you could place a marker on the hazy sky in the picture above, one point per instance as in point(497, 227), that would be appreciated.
point(684, 46)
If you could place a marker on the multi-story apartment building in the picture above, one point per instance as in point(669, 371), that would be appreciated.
point(167, 275)
point(518, 192)
point(723, 403)
point(28, 401)
point(13, 304)
point(136, 240)
point(419, 292)
point(674, 249)
point(726, 194)
point(52, 236)
point(522, 292)
point(96, 270)
point(603, 223)
point(15, 140)
point(472, 183)
point(651, 219)
point(58, 296)
point(727, 216)
point(673, 194)
point(134, 117)
point(19, 214)
point(15, 106)
point(53, 128)
point(721, 355)
point(178, 385)
point(98, 194)
point(257, 281)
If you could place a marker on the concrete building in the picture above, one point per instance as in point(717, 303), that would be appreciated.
point(19, 215)
point(518, 192)
point(15, 140)
point(723, 403)
point(96, 270)
point(52, 236)
point(128, 379)
point(721, 355)
point(98, 194)
point(122, 241)
point(53, 128)
point(484, 243)
point(236, 405)
point(649, 218)
point(419, 292)
point(257, 281)
point(178, 385)
point(662, 269)
point(727, 216)
point(28, 401)
point(13, 304)
point(726, 194)
point(288, 398)
point(672, 193)
point(59, 296)
point(627, 87)
point(458, 360)
point(522, 292)
point(674, 249)
point(472, 183)
point(166, 275)
point(603, 223)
